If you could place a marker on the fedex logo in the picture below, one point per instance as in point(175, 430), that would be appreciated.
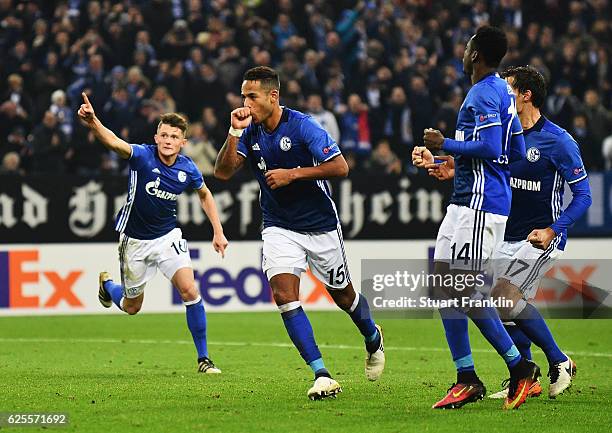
point(14, 276)
point(218, 286)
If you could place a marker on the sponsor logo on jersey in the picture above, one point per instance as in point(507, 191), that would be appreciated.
point(182, 176)
point(533, 154)
point(156, 170)
point(152, 188)
point(527, 185)
point(484, 117)
point(326, 150)
point(285, 143)
point(256, 146)
point(578, 170)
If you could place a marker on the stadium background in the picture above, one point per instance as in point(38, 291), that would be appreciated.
point(382, 71)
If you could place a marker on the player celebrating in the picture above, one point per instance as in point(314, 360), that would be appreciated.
point(291, 156)
point(527, 252)
point(537, 227)
point(488, 135)
point(147, 222)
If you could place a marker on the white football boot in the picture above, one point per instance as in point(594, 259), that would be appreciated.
point(375, 362)
point(561, 376)
point(324, 387)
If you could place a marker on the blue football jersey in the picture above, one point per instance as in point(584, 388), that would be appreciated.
point(484, 184)
point(537, 182)
point(297, 141)
point(150, 209)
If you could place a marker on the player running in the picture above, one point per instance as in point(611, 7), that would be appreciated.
point(488, 136)
point(149, 238)
point(292, 156)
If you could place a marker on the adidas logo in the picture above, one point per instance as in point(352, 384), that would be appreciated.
point(156, 170)
point(256, 146)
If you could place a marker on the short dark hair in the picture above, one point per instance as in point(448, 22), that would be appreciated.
point(528, 78)
point(267, 76)
point(174, 119)
point(491, 43)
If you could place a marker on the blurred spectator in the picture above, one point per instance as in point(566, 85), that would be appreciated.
point(144, 124)
point(325, 118)
point(398, 127)
point(185, 55)
point(201, 149)
point(63, 113)
point(163, 98)
point(599, 120)
point(384, 160)
point(562, 105)
point(591, 151)
point(10, 164)
point(216, 131)
point(355, 129)
point(49, 146)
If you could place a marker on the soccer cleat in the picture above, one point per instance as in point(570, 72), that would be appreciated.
point(324, 387)
point(103, 296)
point(375, 362)
point(460, 394)
point(520, 384)
point(561, 376)
point(205, 365)
point(534, 391)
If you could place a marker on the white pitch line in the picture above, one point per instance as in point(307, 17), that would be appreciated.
point(256, 344)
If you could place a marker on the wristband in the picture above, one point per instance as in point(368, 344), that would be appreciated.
point(235, 132)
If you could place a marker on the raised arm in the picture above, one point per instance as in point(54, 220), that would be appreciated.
point(229, 161)
point(88, 118)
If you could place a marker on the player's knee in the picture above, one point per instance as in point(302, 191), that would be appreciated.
point(501, 294)
point(343, 298)
point(189, 293)
point(503, 289)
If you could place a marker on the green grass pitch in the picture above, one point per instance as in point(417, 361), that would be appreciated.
point(114, 373)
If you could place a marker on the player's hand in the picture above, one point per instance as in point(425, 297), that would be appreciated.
point(220, 243)
point(241, 117)
point(278, 178)
point(444, 170)
point(541, 238)
point(86, 112)
point(433, 139)
point(421, 156)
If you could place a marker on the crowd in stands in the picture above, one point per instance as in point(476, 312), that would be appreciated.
point(373, 73)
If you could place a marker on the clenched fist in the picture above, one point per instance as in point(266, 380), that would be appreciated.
point(241, 118)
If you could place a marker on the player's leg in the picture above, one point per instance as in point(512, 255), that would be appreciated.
point(184, 282)
point(476, 235)
point(356, 306)
point(283, 262)
point(135, 272)
point(327, 261)
point(523, 344)
point(520, 283)
point(468, 387)
point(172, 257)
